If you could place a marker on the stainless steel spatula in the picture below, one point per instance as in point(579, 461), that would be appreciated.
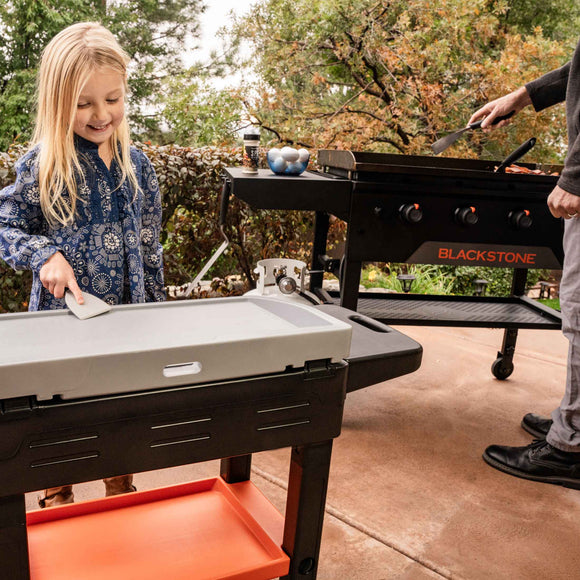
point(93, 306)
point(445, 142)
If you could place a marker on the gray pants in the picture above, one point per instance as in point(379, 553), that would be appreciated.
point(565, 431)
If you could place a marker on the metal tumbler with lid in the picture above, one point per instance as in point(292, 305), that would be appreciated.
point(251, 153)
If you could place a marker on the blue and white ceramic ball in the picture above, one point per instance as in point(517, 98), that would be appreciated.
point(288, 161)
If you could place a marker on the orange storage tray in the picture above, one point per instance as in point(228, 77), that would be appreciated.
point(203, 530)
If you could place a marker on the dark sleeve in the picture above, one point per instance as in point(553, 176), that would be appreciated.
point(21, 244)
point(150, 233)
point(549, 89)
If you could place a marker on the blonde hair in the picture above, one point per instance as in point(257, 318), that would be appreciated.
point(68, 61)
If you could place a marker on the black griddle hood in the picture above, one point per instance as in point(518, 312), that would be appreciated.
point(364, 166)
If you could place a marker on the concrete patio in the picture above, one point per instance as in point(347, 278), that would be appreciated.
point(409, 496)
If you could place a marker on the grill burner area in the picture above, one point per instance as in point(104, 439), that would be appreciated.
point(425, 210)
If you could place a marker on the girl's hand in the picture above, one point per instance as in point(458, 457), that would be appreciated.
point(57, 274)
point(515, 101)
point(563, 204)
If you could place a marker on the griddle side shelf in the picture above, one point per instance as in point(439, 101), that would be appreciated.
point(312, 191)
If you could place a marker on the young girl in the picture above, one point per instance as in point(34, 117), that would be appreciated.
point(85, 210)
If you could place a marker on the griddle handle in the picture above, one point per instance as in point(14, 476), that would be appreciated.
point(226, 190)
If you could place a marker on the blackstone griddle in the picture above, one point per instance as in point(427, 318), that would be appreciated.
point(151, 386)
point(425, 210)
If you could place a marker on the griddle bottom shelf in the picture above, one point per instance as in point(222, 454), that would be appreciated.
point(431, 310)
point(205, 530)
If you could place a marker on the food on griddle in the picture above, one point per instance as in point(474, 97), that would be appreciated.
point(519, 169)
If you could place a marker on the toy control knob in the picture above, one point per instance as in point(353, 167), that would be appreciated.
point(411, 213)
point(520, 219)
point(466, 216)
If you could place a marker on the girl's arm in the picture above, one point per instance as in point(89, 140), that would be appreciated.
point(21, 244)
point(150, 234)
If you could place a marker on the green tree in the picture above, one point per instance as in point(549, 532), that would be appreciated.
point(393, 75)
point(195, 110)
point(198, 114)
point(558, 19)
point(153, 32)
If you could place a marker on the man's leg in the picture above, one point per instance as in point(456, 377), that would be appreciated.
point(565, 431)
point(557, 458)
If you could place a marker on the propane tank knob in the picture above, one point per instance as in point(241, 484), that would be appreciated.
point(466, 216)
point(411, 213)
point(520, 219)
point(287, 285)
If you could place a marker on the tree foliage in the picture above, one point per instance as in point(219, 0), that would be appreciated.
point(197, 114)
point(394, 75)
point(558, 19)
point(153, 32)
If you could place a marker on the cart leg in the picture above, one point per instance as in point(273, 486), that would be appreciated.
point(305, 504)
point(519, 280)
point(13, 538)
point(321, 224)
point(503, 365)
point(349, 284)
point(236, 469)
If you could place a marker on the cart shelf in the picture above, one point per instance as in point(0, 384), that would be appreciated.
point(435, 310)
point(206, 530)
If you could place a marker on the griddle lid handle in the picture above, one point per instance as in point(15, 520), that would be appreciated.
point(226, 190)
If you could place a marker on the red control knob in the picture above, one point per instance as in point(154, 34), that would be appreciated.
point(411, 213)
point(520, 219)
point(466, 216)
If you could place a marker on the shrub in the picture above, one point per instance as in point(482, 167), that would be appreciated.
point(428, 279)
point(458, 280)
point(500, 279)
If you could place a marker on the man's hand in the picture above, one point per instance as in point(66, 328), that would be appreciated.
point(563, 204)
point(515, 101)
point(57, 274)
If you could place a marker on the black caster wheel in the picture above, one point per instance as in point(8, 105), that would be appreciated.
point(501, 369)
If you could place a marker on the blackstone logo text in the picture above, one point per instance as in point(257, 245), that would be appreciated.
point(491, 257)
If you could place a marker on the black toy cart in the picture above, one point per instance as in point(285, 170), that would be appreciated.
point(54, 432)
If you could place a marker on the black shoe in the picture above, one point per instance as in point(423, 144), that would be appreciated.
point(539, 461)
point(537, 425)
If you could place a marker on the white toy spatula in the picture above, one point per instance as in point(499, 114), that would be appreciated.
point(93, 306)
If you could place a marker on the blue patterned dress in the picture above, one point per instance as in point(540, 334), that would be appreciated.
point(112, 245)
